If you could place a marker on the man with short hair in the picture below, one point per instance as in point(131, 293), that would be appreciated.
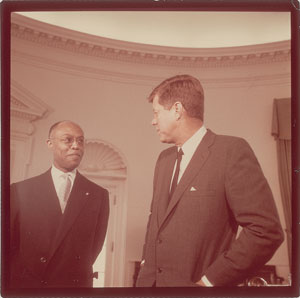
point(205, 187)
point(58, 219)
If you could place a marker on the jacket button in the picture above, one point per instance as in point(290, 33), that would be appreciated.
point(77, 257)
point(43, 260)
point(159, 270)
point(159, 241)
point(43, 282)
point(75, 281)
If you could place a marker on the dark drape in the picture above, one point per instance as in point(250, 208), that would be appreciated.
point(281, 130)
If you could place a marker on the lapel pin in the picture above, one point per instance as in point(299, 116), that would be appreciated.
point(87, 193)
point(193, 188)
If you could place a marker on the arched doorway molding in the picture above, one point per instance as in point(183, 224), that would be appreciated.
point(105, 165)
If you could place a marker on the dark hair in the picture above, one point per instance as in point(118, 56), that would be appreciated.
point(183, 88)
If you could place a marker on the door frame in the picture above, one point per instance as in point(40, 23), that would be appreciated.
point(116, 231)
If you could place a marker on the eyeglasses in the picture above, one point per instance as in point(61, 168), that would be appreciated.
point(70, 140)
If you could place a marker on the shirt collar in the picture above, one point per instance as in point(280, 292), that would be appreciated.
point(56, 173)
point(192, 143)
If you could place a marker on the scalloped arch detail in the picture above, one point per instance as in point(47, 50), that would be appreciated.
point(100, 158)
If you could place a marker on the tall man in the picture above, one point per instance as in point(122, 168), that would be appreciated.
point(58, 219)
point(204, 188)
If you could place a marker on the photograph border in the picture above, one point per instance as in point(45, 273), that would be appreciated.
point(7, 7)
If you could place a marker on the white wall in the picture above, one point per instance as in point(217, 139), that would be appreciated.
point(107, 98)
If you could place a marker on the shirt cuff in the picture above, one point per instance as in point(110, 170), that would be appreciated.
point(206, 281)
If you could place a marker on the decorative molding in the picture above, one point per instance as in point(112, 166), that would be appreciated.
point(145, 79)
point(85, 44)
point(17, 103)
point(83, 70)
point(101, 158)
point(21, 143)
point(24, 109)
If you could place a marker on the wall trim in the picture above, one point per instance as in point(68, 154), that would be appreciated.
point(24, 109)
point(84, 44)
point(142, 79)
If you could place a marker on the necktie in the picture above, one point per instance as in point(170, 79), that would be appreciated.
point(64, 191)
point(175, 178)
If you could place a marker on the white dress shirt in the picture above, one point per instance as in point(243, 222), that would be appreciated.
point(189, 148)
point(57, 177)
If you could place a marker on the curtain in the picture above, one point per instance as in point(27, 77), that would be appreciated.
point(281, 130)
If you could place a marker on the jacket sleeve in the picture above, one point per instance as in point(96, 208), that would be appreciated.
point(251, 203)
point(102, 224)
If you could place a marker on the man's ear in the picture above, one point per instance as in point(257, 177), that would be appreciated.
point(49, 143)
point(178, 109)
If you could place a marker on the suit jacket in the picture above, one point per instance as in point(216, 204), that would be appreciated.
point(51, 249)
point(195, 234)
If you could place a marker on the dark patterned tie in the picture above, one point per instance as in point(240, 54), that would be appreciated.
point(175, 178)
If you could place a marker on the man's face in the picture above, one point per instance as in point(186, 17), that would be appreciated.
point(67, 145)
point(164, 121)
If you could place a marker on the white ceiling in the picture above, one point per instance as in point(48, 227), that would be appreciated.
point(178, 29)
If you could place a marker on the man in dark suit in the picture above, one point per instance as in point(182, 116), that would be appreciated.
point(204, 188)
point(58, 219)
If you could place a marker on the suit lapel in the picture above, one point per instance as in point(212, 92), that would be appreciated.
point(200, 156)
point(163, 184)
point(78, 198)
point(47, 198)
